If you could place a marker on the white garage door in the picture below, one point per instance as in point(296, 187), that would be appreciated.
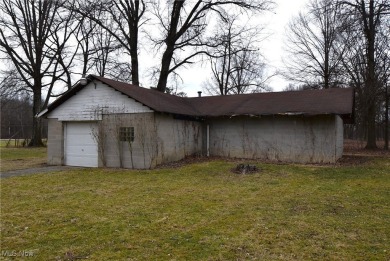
point(81, 147)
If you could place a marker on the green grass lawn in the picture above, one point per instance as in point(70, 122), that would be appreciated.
point(201, 211)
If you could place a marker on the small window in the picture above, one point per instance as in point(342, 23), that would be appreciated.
point(126, 134)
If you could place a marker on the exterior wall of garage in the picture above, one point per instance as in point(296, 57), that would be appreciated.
point(339, 136)
point(316, 139)
point(177, 138)
point(91, 104)
point(55, 142)
point(138, 154)
point(158, 138)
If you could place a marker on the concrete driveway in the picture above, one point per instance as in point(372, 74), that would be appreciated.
point(21, 172)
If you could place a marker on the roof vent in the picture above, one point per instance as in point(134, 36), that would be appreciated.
point(199, 94)
point(83, 80)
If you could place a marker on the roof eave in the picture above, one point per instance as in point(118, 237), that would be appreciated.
point(65, 96)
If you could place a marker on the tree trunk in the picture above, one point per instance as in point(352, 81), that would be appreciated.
point(326, 71)
point(387, 119)
point(134, 67)
point(164, 73)
point(133, 41)
point(170, 42)
point(326, 61)
point(371, 79)
point(371, 133)
point(36, 139)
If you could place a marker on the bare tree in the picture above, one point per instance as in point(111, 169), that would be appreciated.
point(10, 86)
point(60, 37)
point(104, 46)
point(291, 87)
point(125, 16)
point(183, 25)
point(383, 72)
point(235, 62)
point(369, 16)
point(84, 37)
point(314, 50)
point(27, 39)
point(97, 47)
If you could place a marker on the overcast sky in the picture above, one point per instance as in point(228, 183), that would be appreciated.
point(272, 47)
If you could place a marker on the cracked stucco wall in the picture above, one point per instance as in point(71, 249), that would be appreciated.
point(316, 139)
point(159, 138)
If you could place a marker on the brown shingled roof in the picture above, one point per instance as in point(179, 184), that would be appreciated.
point(309, 102)
point(155, 100)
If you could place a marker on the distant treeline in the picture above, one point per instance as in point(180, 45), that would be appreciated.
point(16, 118)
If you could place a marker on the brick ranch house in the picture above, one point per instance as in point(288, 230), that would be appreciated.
point(115, 124)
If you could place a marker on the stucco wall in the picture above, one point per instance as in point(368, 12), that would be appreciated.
point(339, 137)
point(55, 142)
point(177, 138)
point(279, 138)
point(116, 153)
point(158, 139)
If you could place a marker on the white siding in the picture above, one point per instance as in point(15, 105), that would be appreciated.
point(94, 100)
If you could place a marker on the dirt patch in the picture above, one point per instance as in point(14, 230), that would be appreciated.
point(38, 170)
point(245, 169)
point(353, 160)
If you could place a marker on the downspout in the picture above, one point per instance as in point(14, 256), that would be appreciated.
point(387, 118)
point(208, 141)
point(335, 139)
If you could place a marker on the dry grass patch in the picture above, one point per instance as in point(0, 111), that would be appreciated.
point(22, 158)
point(201, 211)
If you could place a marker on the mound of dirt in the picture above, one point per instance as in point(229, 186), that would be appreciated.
point(245, 169)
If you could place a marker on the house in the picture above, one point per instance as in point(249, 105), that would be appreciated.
point(115, 124)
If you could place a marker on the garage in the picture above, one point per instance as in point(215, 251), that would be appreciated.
point(80, 145)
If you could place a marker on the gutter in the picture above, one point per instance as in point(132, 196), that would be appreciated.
point(38, 115)
point(292, 113)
